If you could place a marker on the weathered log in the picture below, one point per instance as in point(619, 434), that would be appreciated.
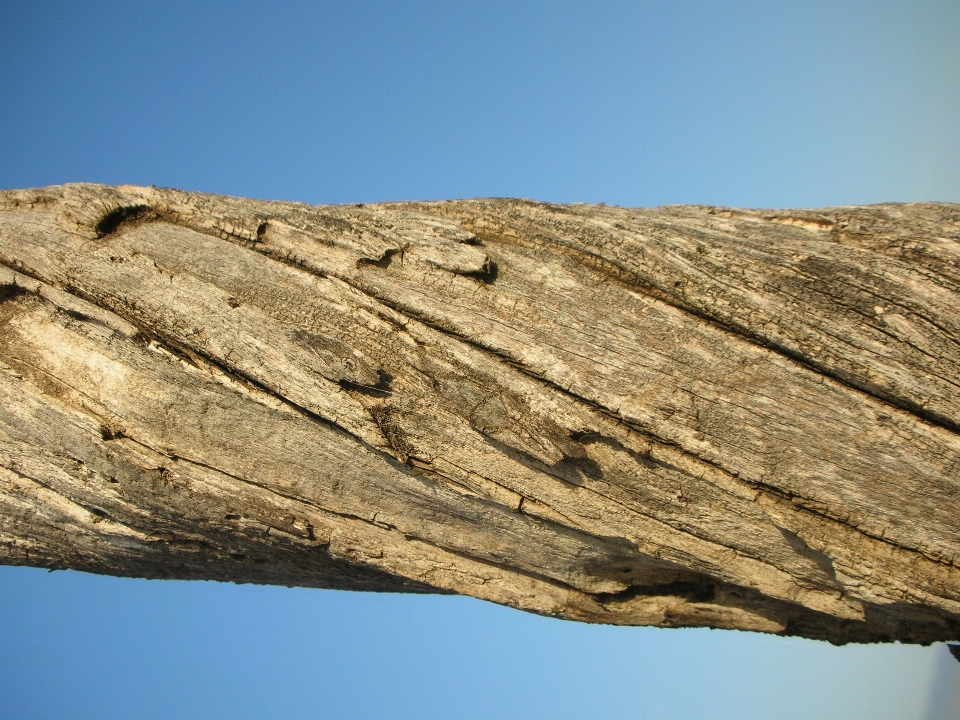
point(683, 416)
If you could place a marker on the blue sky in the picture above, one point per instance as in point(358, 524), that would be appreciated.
point(760, 104)
point(757, 104)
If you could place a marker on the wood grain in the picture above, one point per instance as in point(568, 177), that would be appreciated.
point(673, 416)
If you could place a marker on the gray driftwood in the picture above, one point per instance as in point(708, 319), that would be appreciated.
point(683, 416)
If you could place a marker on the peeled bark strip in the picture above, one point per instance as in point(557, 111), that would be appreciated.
point(683, 416)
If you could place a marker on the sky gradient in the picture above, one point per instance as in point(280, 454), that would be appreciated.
point(756, 104)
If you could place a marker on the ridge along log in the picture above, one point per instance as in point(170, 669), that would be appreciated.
point(682, 416)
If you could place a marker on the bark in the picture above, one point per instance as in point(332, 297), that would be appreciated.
point(683, 416)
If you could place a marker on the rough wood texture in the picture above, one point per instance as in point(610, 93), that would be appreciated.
point(677, 416)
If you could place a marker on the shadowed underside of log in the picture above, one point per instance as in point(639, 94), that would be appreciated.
point(683, 416)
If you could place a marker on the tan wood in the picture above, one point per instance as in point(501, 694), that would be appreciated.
point(682, 416)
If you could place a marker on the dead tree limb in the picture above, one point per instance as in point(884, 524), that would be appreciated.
point(675, 416)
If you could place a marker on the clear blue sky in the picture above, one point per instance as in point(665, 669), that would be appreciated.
point(750, 104)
